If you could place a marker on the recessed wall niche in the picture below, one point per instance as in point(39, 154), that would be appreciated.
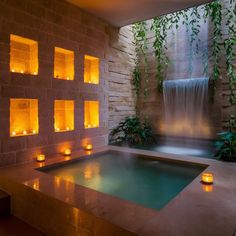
point(23, 117)
point(91, 114)
point(63, 115)
point(91, 70)
point(63, 64)
point(23, 55)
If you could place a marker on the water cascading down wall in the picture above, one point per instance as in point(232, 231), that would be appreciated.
point(184, 107)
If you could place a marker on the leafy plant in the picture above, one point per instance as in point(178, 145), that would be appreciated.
point(226, 145)
point(132, 131)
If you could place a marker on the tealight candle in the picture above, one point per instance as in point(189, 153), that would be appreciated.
point(24, 132)
point(88, 147)
point(207, 178)
point(21, 71)
point(13, 133)
point(40, 158)
point(68, 78)
point(12, 70)
point(57, 129)
point(34, 131)
point(67, 128)
point(67, 152)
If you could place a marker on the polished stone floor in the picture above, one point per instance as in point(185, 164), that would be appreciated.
point(198, 210)
point(11, 226)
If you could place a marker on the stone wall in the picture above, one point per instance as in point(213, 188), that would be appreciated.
point(57, 23)
point(179, 54)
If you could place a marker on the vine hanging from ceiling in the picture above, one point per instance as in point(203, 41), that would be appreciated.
point(216, 13)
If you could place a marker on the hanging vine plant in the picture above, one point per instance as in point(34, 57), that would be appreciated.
point(160, 26)
point(214, 11)
point(191, 18)
point(140, 42)
point(229, 45)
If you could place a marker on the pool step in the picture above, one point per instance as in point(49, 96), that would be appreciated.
point(5, 204)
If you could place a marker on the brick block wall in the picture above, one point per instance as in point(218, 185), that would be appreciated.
point(54, 23)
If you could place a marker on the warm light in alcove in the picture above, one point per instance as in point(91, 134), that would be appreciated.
point(23, 55)
point(63, 115)
point(63, 64)
point(91, 114)
point(23, 117)
point(91, 70)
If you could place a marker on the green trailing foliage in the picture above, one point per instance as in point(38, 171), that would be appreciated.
point(226, 145)
point(140, 42)
point(132, 131)
point(191, 18)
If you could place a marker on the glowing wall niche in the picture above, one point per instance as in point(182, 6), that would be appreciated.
point(23, 117)
point(91, 70)
point(23, 55)
point(63, 64)
point(91, 114)
point(63, 115)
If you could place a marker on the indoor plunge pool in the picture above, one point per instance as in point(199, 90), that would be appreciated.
point(148, 182)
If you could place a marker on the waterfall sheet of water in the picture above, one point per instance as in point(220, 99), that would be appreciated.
point(185, 103)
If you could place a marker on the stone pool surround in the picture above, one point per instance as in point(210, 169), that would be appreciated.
point(60, 207)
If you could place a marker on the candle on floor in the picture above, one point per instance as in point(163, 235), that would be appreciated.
point(88, 147)
point(67, 152)
point(207, 178)
point(40, 158)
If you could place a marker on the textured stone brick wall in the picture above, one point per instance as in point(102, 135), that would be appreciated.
point(57, 23)
point(120, 67)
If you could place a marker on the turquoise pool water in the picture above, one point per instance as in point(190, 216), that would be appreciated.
point(141, 180)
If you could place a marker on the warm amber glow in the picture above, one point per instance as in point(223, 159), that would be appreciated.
point(91, 114)
point(91, 70)
point(207, 178)
point(184, 127)
point(88, 147)
point(40, 157)
point(207, 188)
point(23, 117)
point(67, 152)
point(63, 64)
point(63, 115)
point(23, 55)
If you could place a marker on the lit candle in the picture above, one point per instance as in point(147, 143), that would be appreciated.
point(67, 128)
point(12, 70)
point(34, 131)
point(89, 125)
point(13, 133)
point(24, 132)
point(89, 82)
point(67, 152)
point(94, 125)
point(21, 71)
point(207, 178)
point(57, 129)
point(41, 158)
point(88, 147)
point(68, 78)
point(35, 73)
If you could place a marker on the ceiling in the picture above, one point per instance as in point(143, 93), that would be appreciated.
point(124, 12)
